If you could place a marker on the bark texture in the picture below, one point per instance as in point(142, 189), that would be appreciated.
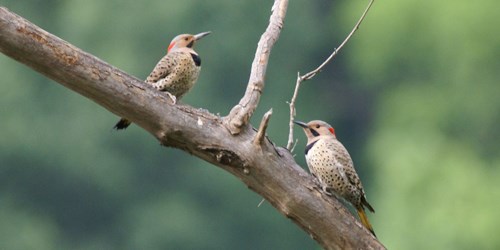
point(230, 143)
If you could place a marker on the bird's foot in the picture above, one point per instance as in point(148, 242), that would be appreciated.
point(174, 99)
point(326, 191)
point(316, 181)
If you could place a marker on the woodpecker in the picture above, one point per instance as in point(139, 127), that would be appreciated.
point(329, 161)
point(177, 72)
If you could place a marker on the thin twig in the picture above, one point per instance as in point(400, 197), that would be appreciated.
point(293, 147)
point(289, 145)
point(308, 76)
point(336, 50)
point(261, 133)
point(261, 202)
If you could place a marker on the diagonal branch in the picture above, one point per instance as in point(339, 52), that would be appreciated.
point(336, 50)
point(269, 172)
point(311, 74)
point(240, 115)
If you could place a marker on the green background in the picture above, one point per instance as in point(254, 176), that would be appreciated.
point(414, 96)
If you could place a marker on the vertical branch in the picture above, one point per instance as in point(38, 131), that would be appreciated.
point(311, 74)
point(293, 112)
point(241, 113)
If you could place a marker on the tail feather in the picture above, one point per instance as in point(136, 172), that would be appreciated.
point(122, 124)
point(364, 219)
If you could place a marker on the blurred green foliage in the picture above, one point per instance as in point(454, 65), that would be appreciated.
point(414, 97)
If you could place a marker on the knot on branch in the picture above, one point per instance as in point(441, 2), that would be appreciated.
point(68, 56)
point(240, 114)
point(258, 86)
point(237, 119)
point(225, 157)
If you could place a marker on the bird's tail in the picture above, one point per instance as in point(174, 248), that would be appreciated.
point(122, 124)
point(364, 219)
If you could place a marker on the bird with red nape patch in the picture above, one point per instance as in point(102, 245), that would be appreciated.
point(329, 161)
point(177, 72)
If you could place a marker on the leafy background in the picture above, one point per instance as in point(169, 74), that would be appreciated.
point(414, 96)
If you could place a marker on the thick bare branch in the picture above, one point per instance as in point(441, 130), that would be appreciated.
point(311, 74)
point(270, 172)
point(241, 113)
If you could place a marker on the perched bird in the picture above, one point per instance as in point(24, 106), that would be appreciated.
point(177, 72)
point(329, 161)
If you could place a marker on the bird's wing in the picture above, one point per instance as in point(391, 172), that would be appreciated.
point(353, 178)
point(161, 70)
point(346, 166)
point(172, 70)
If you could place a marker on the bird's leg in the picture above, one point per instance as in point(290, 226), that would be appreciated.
point(324, 188)
point(174, 99)
point(161, 86)
point(326, 191)
point(316, 181)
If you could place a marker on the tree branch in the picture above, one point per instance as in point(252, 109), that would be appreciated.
point(239, 116)
point(261, 133)
point(270, 172)
point(311, 74)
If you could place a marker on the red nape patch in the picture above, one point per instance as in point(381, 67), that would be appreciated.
point(170, 47)
point(332, 130)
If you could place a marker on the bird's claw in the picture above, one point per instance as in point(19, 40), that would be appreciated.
point(326, 191)
point(321, 186)
point(174, 99)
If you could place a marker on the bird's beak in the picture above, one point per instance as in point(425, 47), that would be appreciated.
point(201, 35)
point(302, 124)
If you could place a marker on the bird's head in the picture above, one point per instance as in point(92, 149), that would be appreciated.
point(185, 41)
point(315, 129)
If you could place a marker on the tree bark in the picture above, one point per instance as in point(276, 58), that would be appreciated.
point(228, 142)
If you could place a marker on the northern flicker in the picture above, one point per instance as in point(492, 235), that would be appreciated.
point(329, 161)
point(177, 72)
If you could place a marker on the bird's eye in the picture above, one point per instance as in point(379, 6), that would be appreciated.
point(317, 126)
point(186, 38)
